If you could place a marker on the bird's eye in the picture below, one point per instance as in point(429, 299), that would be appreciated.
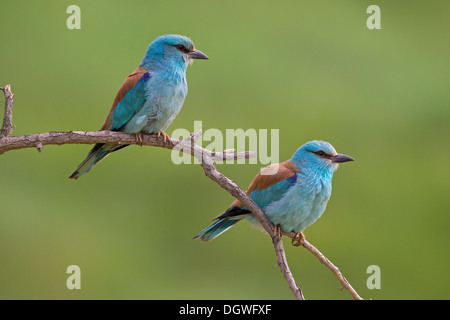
point(182, 48)
point(320, 153)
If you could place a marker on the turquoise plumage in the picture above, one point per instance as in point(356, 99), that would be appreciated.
point(293, 197)
point(151, 96)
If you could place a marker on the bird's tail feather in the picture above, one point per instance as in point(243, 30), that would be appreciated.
point(217, 228)
point(97, 153)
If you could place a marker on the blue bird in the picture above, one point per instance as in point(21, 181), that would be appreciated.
point(293, 197)
point(151, 96)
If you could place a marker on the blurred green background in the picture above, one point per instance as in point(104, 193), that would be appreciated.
point(313, 70)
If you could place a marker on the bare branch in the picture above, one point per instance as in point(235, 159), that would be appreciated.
point(282, 263)
point(212, 173)
point(186, 145)
point(345, 284)
point(7, 127)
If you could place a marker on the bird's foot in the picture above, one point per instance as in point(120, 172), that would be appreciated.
point(298, 239)
point(139, 136)
point(277, 232)
point(164, 135)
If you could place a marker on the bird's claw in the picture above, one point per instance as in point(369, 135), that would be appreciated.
point(277, 231)
point(165, 136)
point(139, 136)
point(298, 239)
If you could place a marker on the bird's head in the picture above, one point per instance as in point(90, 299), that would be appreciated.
point(171, 49)
point(318, 155)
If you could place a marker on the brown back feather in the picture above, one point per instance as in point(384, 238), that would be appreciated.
point(285, 170)
point(129, 83)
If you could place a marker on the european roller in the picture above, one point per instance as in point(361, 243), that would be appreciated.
point(292, 198)
point(151, 96)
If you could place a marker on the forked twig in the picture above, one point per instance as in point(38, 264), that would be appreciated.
point(187, 145)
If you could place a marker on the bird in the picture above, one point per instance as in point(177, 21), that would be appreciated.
point(293, 194)
point(150, 97)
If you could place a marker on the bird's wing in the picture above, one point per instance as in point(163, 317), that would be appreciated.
point(265, 189)
point(129, 99)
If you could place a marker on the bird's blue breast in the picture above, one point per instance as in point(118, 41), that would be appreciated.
point(164, 96)
point(303, 201)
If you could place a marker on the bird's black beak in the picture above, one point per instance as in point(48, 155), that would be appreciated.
point(341, 158)
point(197, 54)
